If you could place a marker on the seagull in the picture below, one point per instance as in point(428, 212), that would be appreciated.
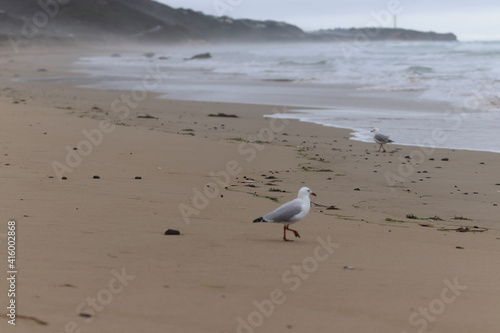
point(290, 212)
point(380, 138)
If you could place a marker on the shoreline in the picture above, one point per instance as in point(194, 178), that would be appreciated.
point(353, 133)
point(407, 117)
point(223, 272)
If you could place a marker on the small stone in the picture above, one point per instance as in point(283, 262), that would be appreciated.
point(172, 232)
point(96, 177)
point(85, 315)
point(138, 177)
point(64, 178)
point(445, 159)
point(459, 247)
point(348, 267)
point(357, 189)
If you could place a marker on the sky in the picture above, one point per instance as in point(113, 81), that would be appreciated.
point(468, 19)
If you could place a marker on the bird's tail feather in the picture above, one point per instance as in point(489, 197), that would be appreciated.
point(260, 219)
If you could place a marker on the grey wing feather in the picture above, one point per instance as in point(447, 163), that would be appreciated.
point(284, 213)
point(382, 137)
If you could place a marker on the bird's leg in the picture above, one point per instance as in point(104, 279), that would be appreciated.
point(383, 148)
point(295, 232)
point(284, 234)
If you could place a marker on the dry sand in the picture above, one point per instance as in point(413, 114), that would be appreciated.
point(92, 255)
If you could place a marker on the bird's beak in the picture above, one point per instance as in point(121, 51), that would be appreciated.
point(312, 193)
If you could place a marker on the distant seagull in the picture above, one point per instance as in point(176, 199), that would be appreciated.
point(380, 138)
point(290, 212)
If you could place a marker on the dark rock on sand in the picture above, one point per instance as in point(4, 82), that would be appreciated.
point(223, 115)
point(147, 116)
point(172, 232)
point(85, 315)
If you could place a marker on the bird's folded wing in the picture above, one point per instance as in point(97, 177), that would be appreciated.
point(381, 137)
point(284, 213)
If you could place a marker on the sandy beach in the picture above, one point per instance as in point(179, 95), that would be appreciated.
point(380, 251)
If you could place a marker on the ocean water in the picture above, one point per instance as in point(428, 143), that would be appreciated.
point(439, 94)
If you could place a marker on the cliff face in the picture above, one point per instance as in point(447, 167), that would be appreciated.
point(147, 20)
point(86, 19)
point(131, 19)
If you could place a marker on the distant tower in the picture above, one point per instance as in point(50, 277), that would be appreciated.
point(395, 19)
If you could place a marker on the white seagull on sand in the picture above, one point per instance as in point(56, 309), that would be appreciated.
point(380, 138)
point(290, 212)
